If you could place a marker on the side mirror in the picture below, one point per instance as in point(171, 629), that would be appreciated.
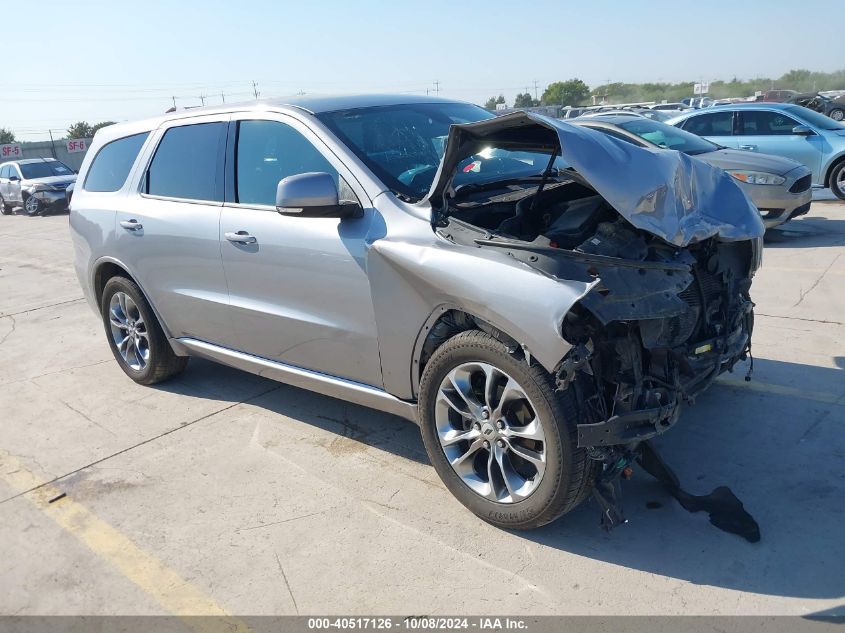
point(803, 130)
point(313, 195)
point(14, 178)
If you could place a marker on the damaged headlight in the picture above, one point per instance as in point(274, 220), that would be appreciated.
point(757, 177)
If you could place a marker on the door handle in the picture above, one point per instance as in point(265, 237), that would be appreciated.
point(241, 237)
point(753, 148)
point(131, 225)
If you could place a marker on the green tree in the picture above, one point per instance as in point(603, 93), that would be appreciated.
point(524, 100)
point(6, 136)
point(80, 129)
point(572, 92)
point(492, 102)
point(100, 125)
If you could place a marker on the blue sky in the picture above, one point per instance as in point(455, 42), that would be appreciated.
point(96, 60)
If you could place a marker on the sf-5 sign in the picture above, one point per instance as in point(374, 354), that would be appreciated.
point(10, 150)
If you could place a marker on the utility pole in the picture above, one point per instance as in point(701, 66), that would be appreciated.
point(174, 102)
point(202, 99)
point(436, 86)
point(223, 97)
point(255, 89)
point(536, 98)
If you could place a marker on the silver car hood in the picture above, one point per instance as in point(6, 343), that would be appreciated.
point(671, 195)
point(743, 159)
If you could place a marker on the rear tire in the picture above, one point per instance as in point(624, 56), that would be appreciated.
point(135, 336)
point(498, 484)
point(837, 180)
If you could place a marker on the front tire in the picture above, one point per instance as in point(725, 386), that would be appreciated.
point(32, 206)
point(135, 336)
point(500, 437)
point(837, 114)
point(837, 180)
point(5, 209)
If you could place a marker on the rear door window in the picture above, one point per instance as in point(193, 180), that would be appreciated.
point(710, 124)
point(112, 163)
point(188, 163)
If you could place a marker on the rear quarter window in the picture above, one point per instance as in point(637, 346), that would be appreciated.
point(112, 163)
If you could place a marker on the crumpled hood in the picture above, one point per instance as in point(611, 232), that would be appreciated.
point(669, 194)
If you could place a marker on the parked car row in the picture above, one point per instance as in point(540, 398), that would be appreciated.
point(780, 188)
point(37, 185)
point(780, 129)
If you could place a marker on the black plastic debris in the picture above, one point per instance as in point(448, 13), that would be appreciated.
point(726, 511)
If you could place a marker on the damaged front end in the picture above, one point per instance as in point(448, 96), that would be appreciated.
point(669, 244)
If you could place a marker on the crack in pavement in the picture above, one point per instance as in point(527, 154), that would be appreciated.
point(816, 282)
point(789, 318)
point(142, 443)
point(10, 332)
point(52, 305)
point(287, 584)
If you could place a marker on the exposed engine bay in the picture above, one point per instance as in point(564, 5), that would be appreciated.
point(661, 321)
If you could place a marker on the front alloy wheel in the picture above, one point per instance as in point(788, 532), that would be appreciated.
point(837, 181)
point(490, 432)
point(32, 206)
point(499, 434)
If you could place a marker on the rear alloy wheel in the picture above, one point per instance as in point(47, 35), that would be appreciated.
point(135, 336)
point(837, 181)
point(32, 205)
point(500, 437)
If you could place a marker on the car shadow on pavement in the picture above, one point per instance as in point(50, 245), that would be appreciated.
point(813, 231)
point(781, 455)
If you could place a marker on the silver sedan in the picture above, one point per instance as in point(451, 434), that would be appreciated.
point(780, 188)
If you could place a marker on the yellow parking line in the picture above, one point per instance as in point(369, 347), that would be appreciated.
point(170, 590)
point(781, 390)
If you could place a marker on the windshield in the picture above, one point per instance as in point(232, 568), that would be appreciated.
point(668, 137)
point(44, 170)
point(815, 119)
point(403, 144)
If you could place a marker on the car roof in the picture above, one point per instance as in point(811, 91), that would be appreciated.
point(312, 104)
point(27, 161)
point(610, 119)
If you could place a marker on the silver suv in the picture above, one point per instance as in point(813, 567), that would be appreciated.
point(539, 297)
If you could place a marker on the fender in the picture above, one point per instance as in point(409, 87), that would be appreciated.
point(413, 281)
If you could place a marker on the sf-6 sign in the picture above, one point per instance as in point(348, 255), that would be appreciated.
point(10, 150)
point(77, 145)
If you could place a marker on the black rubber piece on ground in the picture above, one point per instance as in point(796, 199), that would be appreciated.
point(726, 511)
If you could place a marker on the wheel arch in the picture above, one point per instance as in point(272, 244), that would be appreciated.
point(834, 163)
point(446, 321)
point(108, 267)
